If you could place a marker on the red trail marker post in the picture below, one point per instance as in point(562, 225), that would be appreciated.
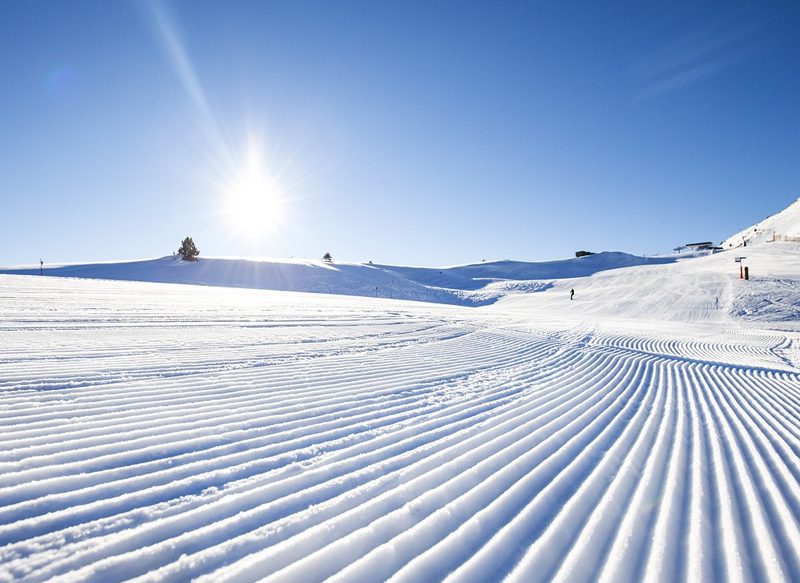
point(739, 261)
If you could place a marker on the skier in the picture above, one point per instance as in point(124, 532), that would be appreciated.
point(41, 267)
point(571, 293)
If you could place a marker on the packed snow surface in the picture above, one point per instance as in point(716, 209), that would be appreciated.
point(647, 430)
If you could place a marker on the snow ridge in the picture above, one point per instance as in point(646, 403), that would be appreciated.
point(782, 226)
point(462, 285)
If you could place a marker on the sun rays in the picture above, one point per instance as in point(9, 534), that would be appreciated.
point(250, 195)
point(253, 199)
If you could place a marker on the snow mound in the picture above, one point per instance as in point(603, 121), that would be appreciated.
point(479, 274)
point(461, 285)
point(607, 285)
point(278, 275)
point(782, 226)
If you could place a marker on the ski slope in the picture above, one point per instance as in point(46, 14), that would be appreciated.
point(468, 285)
point(648, 430)
point(784, 224)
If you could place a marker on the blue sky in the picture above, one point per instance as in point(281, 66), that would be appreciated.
point(429, 133)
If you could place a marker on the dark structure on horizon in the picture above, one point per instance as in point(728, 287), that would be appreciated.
point(583, 253)
point(705, 245)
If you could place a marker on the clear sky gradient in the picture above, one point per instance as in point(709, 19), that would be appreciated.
point(428, 133)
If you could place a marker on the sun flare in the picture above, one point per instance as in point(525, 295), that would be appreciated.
point(253, 202)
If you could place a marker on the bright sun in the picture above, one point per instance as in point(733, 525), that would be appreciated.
point(253, 202)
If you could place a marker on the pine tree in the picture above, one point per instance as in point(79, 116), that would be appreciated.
point(327, 257)
point(187, 250)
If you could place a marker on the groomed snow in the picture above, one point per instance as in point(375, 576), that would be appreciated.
point(647, 430)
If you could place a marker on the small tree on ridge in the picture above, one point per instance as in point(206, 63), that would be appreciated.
point(187, 250)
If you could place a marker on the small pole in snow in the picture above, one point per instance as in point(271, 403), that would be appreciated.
point(741, 266)
point(41, 267)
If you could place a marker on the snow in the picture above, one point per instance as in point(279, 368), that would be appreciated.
point(784, 224)
point(462, 285)
point(649, 429)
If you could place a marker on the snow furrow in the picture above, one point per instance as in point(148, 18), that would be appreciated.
point(154, 434)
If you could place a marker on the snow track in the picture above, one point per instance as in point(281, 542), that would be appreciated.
point(158, 432)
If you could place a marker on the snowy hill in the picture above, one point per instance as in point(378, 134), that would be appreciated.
point(453, 285)
point(784, 225)
point(279, 275)
point(607, 285)
point(477, 275)
point(704, 288)
point(688, 288)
